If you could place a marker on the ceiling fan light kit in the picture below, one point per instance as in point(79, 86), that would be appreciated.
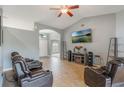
point(66, 10)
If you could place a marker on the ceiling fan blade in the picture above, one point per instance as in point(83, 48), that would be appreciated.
point(60, 14)
point(69, 13)
point(73, 7)
point(55, 8)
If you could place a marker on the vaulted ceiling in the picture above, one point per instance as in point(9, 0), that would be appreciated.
point(25, 16)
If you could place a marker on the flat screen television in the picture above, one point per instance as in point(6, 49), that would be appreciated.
point(83, 36)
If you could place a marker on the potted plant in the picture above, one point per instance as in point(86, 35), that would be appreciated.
point(78, 48)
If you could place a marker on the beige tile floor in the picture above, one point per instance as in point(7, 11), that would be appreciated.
point(66, 74)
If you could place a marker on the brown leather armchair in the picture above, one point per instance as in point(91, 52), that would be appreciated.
point(107, 76)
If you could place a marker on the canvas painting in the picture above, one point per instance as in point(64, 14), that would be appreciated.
point(83, 36)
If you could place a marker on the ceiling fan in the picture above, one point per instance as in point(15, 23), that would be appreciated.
point(66, 9)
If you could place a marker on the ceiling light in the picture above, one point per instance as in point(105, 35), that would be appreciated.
point(44, 36)
point(64, 10)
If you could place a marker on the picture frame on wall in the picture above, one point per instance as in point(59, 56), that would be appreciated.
point(82, 36)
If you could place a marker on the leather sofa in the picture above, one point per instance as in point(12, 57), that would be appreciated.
point(106, 76)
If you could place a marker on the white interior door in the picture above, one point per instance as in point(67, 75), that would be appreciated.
point(55, 46)
point(43, 44)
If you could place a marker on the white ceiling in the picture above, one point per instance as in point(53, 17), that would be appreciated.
point(25, 16)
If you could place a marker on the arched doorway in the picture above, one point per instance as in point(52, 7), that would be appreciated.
point(49, 43)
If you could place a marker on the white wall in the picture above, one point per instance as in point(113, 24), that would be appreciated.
point(23, 41)
point(1, 78)
point(0, 39)
point(120, 32)
point(103, 28)
point(1, 61)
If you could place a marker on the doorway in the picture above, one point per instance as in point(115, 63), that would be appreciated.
point(49, 43)
point(55, 45)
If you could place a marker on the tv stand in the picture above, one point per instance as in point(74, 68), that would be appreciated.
point(77, 57)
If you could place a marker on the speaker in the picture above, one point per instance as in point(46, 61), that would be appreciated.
point(90, 59)
point(69, 55)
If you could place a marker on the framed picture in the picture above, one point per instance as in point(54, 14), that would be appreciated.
point(83, 36)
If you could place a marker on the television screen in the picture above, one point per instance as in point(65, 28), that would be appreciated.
point(83, 36)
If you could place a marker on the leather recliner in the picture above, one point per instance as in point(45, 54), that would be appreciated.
point(107, 76)
point(34, 78)
point(32, 64)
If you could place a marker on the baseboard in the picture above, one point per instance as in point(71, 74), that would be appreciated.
point(7, 69)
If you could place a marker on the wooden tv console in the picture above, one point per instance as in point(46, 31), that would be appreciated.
point(78, 57)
